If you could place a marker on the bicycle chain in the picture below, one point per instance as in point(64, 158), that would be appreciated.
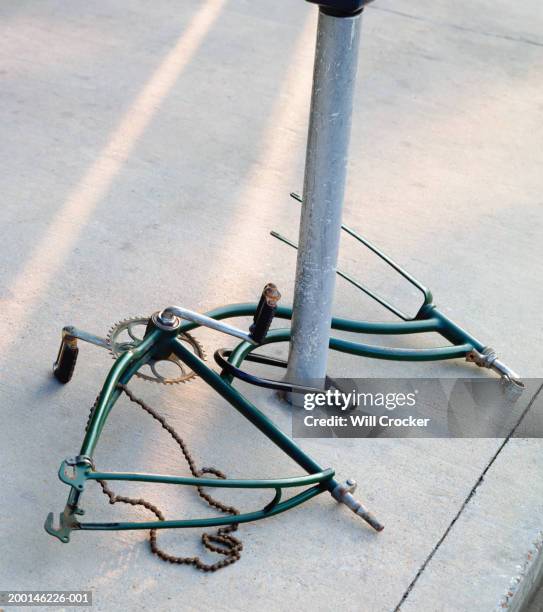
point(229, 546)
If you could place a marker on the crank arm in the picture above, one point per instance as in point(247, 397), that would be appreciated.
point(73, 333)
point(167, 318)
point(64, 365)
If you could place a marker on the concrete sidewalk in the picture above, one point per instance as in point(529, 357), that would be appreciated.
point(148, 149)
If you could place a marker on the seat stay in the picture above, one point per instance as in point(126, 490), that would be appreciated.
point(84, 471)
point(70, 523)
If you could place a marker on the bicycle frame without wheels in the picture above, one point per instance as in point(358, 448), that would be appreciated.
point(162, 339)
point(159, 341)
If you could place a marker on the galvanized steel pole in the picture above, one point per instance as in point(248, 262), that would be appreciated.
point(336, 61)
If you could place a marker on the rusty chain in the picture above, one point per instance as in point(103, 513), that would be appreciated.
point(221, 542)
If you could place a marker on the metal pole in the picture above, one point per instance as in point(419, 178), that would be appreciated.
point(336, 61)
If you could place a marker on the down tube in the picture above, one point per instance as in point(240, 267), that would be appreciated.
point(250, 412)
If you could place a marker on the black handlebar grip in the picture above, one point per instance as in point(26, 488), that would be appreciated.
point(265, 312)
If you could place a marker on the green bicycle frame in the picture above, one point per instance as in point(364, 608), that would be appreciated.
point(158, 341)
point(124, 368)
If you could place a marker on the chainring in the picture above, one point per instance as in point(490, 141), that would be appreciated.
point(129, 333)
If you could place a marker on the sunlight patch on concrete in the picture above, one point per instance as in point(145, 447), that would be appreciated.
point(65, 228)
